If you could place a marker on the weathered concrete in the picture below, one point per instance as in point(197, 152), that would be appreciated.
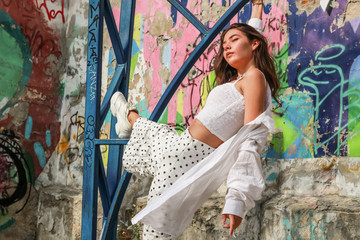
point(306, 201)
point(59, 213)
point(327, 217)
point(22, 215)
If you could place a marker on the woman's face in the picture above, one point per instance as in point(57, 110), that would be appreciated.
point(238, 51)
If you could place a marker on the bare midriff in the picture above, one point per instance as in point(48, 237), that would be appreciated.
point(198, 131)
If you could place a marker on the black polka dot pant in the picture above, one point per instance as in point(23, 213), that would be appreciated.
point(158, 150)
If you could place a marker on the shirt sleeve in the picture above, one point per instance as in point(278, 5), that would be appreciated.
point(245, 184)
point(256, 23)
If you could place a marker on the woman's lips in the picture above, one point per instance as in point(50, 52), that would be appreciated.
point(229, 54)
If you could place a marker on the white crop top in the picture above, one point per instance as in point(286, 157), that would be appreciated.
point(223, 113)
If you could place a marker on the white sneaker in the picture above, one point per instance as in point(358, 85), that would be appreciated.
point(120, 109)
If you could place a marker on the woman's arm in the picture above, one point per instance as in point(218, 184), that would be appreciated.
point(253, 111)
point(257, 9)
point(254, 91)
point(256, 15)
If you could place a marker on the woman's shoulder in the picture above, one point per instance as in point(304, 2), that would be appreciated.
point(255, 78)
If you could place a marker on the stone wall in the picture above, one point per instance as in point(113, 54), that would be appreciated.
point(311, 165)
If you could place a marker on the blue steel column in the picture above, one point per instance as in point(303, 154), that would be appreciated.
point(126, 26)
point(92, 108)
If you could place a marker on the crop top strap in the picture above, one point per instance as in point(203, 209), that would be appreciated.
point(242, 76)
point(239, 78)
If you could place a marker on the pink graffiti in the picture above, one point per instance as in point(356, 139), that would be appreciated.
point(275, 26)
point(180, 50)
point(51, 13)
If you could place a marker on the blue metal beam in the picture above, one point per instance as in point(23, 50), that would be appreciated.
point(111, 141)
point(92, 106)
point(103, 186)
point(114, 34)
point(115, 205)
point(113, 87)
point(126, 28)
point(189, 16)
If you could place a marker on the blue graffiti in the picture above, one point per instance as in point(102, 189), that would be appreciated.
point(28, 127)
point(40, 153)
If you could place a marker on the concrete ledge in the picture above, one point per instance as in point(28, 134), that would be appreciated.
point(59, 213)
point(328, 217)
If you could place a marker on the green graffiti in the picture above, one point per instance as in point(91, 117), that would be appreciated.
point(15, 65)
point(304, 226)
point(281, 68)
point(10, 67)
point(329, 72)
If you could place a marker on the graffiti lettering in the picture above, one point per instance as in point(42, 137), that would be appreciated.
point(92, 76)
point(93, 9)
point(72, 146)
point(6, 3)
point(89, 141)
point(93, 55)
point(40, 47)
point(275, 27)
point(92, 36)
point(94, 24)
point(13, 183)
point(52, 14)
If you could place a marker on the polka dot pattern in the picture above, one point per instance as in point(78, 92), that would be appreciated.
point(157, 150)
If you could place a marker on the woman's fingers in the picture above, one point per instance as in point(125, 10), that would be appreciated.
point(234, 222)
point(224, 217)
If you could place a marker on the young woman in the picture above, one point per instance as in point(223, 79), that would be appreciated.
point(229, 133)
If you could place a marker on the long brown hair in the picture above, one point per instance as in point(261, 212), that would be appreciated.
point(263, 61)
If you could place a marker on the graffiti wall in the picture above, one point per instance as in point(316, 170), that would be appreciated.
point(315, 44)
point(321, 111)
point(316, 49)
point(40, 104)
point(29, 100)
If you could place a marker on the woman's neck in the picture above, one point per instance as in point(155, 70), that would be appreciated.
point(242, 71)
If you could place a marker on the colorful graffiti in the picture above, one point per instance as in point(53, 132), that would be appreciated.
point(16, 173)
point(323, 92)
point(171, 44)
point(30, 100)
point(30, 57)
point(296, 228)
point(52, 13)
point(72, 140)
point(310, 121)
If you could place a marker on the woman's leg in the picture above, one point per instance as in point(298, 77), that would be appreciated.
point(181, 154)
point(132, 117)
point(150, 234)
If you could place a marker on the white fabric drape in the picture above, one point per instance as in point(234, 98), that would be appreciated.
point(173, 211)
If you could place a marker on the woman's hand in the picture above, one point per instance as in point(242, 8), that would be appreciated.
point(234, 222)
point(257, 2)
